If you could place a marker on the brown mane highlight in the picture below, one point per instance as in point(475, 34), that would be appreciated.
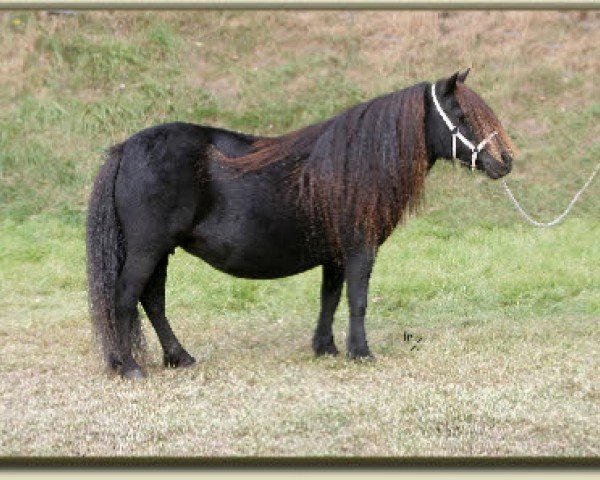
point(269, 150)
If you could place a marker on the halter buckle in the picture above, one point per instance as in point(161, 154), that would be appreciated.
point(474, 155)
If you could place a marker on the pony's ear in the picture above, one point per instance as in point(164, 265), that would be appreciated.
point(463, 76)
point(449, 85)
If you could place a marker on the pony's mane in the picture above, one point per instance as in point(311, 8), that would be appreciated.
point(358, 173)
point(483, 121)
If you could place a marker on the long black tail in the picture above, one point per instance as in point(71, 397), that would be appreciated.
point(105, 258)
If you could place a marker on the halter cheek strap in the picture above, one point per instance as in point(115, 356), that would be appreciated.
point(475, 149)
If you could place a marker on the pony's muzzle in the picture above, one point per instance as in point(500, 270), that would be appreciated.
point(507, 159)
point(494, 168)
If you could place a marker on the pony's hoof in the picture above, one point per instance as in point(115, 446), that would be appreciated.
point(324, 345)
point(133, 374)
point(181, 359)
point(360, 354)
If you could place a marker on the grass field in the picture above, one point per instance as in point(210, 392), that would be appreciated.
point(508, 314)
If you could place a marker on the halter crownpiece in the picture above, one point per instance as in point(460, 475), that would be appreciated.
point(475, 149)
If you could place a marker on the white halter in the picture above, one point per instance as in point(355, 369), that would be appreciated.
point(456, 133)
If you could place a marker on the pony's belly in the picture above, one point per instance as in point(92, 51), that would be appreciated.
point(248, 256)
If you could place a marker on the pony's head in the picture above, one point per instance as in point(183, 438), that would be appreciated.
point(461, 126)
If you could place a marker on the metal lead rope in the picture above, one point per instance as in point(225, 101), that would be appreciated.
point(562, 216)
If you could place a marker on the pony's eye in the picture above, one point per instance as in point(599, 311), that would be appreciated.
point(460, 116)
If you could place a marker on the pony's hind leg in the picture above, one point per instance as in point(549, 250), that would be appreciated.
point(153, 301)
point(136, 272)
point(331, 290)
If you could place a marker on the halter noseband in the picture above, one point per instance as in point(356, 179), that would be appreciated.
point(475, 149)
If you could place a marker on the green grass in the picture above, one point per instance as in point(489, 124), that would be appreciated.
point(508, 314)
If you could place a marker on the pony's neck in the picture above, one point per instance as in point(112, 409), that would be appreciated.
point(432, 138)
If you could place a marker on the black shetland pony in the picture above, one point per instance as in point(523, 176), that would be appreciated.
point(256, 207)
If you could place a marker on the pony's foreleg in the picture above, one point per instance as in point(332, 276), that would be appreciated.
point(331, 290)
point(358, 273)
point(153, 301)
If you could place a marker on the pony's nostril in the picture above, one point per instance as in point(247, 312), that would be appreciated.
point(506, 158)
